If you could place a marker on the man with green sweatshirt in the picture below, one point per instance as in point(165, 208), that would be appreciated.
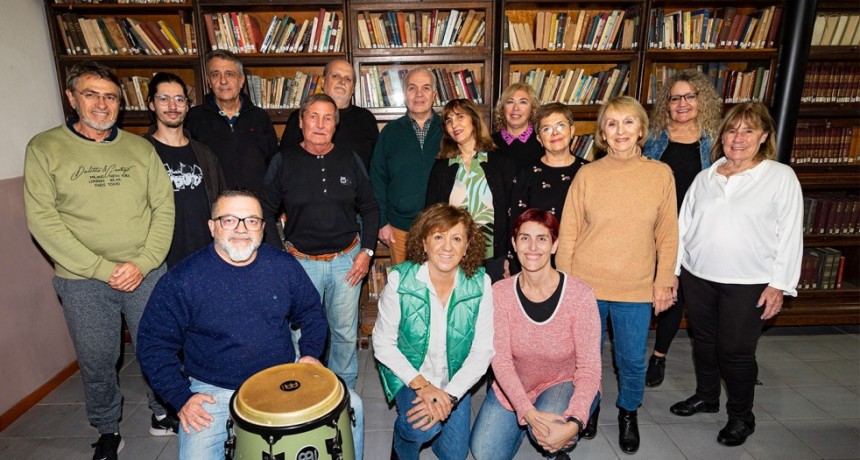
point(99, 203)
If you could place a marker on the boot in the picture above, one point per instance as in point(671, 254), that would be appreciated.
point(628, 431)
point(656, 371)
point(590, 430)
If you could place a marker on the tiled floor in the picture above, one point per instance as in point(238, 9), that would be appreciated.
point(808, 407)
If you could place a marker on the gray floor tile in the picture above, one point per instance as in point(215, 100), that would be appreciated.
point(847, 346)
point(372, 387)
point(598, 448)
point(51, 448)
point(852, 423)
point(839, 402)
point(655, 444)
point(797, 373)
point(69, 392)
point(55, 420)
point(134, 388)
point(843, 371)
point(699, 441)
point(377, 444)
point(657, 404)
point(828, 438)
point(769, 351)
point(171, 450)
point(378, 416)
point(143, 448)
point(773, 441)
point(131, 366)
point(810, 350)
point(788, 404)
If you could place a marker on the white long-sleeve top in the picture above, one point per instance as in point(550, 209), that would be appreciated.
point(744, 229)
point(435, 365)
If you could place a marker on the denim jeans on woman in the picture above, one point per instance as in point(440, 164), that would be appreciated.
point(630, 323)
point(497, 433)
point(449, 439)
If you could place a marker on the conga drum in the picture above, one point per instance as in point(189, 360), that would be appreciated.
point(291, 412)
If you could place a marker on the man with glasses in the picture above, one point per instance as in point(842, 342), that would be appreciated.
point(192, 167)
point(223, 314)
point(240, 133)
point(357, 129)
point(98, 202)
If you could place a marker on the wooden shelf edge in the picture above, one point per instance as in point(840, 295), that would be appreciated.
point(144, 8)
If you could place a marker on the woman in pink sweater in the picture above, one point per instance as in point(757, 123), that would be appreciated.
point(547, 341)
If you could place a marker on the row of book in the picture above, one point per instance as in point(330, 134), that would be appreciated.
point(732, 86)
point(723, 28)
point(583, 147)
point(821, 269)
point(575, 86)
point(831, 214)
point(283, 92)
point(110, 35)
point(826, 145)
point(241, 33)
point(385, 88)
point(574, 30)
point(421, 29)
point(120, 2)
point(829, 82)
point(836, 29)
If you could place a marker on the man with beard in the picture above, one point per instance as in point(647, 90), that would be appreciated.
point(193, 168)
point(227, 311)
point(356, 129)
point(98, 202)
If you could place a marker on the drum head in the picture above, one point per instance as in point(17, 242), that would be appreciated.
point(288, 395)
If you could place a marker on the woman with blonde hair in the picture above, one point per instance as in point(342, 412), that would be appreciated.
point(513, 125)
point(684, 124)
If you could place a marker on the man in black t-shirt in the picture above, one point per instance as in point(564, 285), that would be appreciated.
point(192, 167)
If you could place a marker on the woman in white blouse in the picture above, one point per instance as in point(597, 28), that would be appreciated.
point(740, 251)
point(433, 336)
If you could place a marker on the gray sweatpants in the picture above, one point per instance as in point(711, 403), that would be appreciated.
point(94, 313)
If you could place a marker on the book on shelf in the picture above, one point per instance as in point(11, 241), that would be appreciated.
point(283, 92)
point(102, 36)
point(831, 145)
point(574, 30)
point(575, 86)
point(831, 82)
point(385, 88)
point(733, 86)
point(821, 269)
point(242, 33)
point(831, 213)
point(418, 29)
point(720, 28)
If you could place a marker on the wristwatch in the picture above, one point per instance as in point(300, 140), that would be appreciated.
point(575, 420)
point(454, 400)
point(368, 251)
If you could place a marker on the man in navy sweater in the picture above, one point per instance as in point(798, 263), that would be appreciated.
point(227, 310)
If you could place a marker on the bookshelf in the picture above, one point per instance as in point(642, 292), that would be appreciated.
point(826, 157)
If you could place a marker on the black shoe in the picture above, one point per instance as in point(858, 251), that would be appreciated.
point(108, 446)
point(656, 371)
point(562, 456)
point(735, 433)
point(628, 431)
point(694, 405)
point(590, 430)
point(168, 426)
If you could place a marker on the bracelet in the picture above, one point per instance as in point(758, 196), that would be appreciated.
point(576, 421)
point(454, 400)
point(427, 384)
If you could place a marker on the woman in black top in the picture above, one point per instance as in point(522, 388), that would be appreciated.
point(513, 124)
point(684, 123)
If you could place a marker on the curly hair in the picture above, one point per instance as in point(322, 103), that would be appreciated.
point(499, 121)
point(709, 105)
point(483, 140)
point(620, 103)
point(756, 115)
point(442, 217)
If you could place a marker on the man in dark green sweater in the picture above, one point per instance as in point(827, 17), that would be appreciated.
point(401, 162)
point(99, 203)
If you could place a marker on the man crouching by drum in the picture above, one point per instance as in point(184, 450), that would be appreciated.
point(434, 333)
point(227, 310)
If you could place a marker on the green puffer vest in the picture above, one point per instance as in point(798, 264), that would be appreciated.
point(414, 332)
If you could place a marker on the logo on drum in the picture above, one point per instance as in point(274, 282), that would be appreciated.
point(308, 453)
point(290, 385)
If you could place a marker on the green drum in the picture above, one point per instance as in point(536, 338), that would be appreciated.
point(291, 412)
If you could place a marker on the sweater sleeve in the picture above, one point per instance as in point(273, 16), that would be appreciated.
point(572, 219)
point(503, 363)
point(161, 333)
point(666, 232)
point(379, 177)
point(586, 336)
point(44, 222)
point(789, 233)
point(270, 201)
point(368, 209)
point(160, 235)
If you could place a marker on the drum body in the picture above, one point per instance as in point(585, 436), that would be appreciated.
point(291, 412)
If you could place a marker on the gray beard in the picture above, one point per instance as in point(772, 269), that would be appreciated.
point(237, 254)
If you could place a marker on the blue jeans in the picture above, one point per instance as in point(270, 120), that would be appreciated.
point(94, 312)
point(449, 439)
point(340, 301)
point(630, 322)
point(497, 433)
point(208, 444)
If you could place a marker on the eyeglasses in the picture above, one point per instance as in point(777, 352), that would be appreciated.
point(689, 97)
point(164, 99)
point(92, 96)
point(560, 127)
point(229, 222)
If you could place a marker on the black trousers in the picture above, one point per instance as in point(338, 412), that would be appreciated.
point(668, 323)
point(726, 326)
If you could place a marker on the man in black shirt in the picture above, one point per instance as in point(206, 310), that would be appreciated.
point(192, 167)
point(356, 129)
point(323, 187)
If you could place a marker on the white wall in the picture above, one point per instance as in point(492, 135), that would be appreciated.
point(28, 82)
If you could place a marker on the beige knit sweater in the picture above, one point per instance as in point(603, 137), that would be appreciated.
point(619, 224)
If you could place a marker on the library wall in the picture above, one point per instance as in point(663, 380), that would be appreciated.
point(33, 334)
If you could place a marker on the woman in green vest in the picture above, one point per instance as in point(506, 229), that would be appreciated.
point(433, 336)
